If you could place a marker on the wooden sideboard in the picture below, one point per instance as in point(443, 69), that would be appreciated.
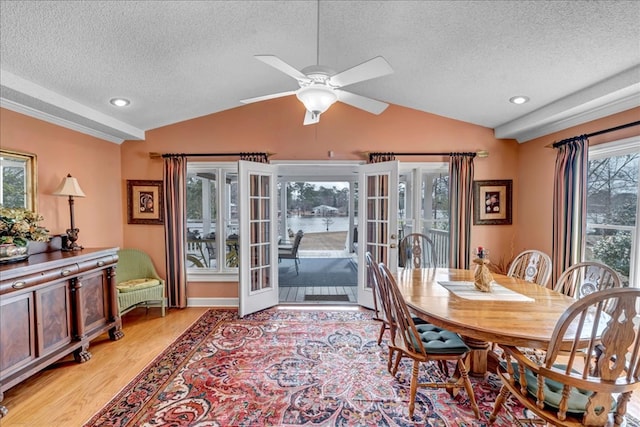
point(51, 305)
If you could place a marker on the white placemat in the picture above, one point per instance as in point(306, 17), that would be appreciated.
point(467, 290)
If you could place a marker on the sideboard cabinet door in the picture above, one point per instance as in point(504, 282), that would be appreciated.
point(17, 337)
point(53, 314)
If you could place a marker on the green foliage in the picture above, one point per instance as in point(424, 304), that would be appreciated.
point(615, 251)
point(18, 226)
point(13, 187)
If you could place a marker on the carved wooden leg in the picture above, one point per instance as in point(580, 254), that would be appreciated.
point(3, 409)
point(390, 361)
point(394, 371)
point(502, 397)
point(414, 388)
point(382, 329)
point(116, 333)
point(468, 387)
point(477, 357)
point(621, 409)
point(82, 354)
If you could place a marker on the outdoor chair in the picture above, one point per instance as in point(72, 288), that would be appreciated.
point(424, 343)
point(567, 390)
point(137, 281)
point(533, 266)
point(291, 252)
point(417, 251)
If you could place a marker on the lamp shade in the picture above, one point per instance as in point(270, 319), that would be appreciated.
point(317, 98)
point(69, 187)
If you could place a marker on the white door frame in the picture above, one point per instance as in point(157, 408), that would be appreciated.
point(377, 221)
point(258, 216)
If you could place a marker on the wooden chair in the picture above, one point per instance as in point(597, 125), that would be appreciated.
point(565, 390)
point(137, 281)
point(424, 343)
point(533, 266)
point(381, 303)
point(585, 278)
point(417, 251)
point(291, 252)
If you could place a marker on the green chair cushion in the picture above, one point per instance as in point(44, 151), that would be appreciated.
point(436, 340)
point(137, 284)
point(578, 398)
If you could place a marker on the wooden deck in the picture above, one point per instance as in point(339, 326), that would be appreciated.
point(296, 294)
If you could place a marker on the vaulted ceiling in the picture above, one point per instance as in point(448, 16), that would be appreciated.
point(63, 61)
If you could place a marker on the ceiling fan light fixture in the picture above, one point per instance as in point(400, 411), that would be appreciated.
point(317, 98)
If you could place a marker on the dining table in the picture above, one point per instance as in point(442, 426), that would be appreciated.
point(515, 312)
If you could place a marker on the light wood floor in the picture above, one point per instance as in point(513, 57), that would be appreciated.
point(68, 394)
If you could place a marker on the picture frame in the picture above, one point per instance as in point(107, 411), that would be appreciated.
point(19, 179)
point(492, 202)
point(144, 202)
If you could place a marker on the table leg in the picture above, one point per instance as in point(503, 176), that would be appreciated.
point(477, 359)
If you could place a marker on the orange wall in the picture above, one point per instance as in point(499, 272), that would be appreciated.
point(276, 127)
point(94, 162)
point(536, 166)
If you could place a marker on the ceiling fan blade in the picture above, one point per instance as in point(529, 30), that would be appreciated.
point(310, 118)
point(376, 67)
point(265, 97)
point(279, 64)
point(362, 102)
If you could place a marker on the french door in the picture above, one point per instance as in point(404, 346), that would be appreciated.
point(378, 221)
point(258, 267)
point(258, 240)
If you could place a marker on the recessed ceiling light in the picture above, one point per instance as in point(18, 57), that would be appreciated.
point(120, 102)
point(519, 99)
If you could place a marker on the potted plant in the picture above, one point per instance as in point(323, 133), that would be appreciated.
point(18, 227)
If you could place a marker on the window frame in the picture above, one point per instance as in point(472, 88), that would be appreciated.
point(221, 273)
point(619, 148)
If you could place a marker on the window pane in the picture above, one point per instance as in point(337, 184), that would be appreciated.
point(202, 213)
point(612, 200)
point(231, 220)
point(612, 190)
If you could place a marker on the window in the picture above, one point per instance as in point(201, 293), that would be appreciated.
point(426, 211)
point(612, 207)
point(212, 218)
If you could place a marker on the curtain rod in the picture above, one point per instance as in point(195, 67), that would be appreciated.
point(479, 153)
point(589, 135)
point(153, 155)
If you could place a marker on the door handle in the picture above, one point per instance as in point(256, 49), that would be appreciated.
point(394, 237)
point(393, 245)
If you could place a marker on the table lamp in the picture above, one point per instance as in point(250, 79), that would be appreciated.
point(70, 187)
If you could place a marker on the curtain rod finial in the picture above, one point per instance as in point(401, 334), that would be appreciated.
point(153, 155)
point(482, 153)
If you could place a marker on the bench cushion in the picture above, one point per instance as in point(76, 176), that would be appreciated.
point(137, 284)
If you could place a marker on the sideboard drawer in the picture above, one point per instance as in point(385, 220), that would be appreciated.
point(97, 263)
point(41, 277)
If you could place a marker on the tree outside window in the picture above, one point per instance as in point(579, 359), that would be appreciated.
point(612, 203)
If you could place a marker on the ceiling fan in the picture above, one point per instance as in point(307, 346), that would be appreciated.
point(320, 86)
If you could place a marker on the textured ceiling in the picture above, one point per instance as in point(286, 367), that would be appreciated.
point(177, 60)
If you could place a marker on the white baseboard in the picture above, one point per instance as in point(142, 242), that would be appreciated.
point(212, 302)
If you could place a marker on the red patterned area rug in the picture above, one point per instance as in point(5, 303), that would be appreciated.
point(285, 368)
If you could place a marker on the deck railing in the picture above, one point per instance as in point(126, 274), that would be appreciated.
point(440, 239)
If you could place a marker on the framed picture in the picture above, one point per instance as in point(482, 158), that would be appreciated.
point(492, 202)
point(144, 202)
